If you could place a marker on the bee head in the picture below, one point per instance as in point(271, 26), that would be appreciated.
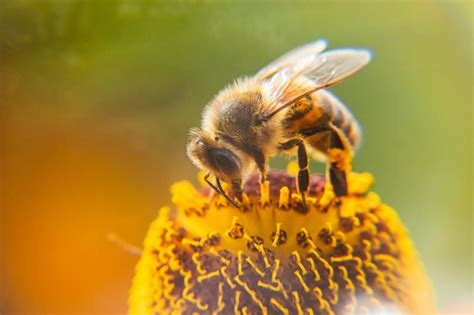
point(214, 157)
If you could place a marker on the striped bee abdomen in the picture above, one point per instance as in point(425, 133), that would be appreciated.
point(340, 117)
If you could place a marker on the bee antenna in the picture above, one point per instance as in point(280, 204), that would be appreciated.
point(206, 178)
point(219, 189)
point(232, 202)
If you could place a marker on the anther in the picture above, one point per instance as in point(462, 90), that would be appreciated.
point(302, 238)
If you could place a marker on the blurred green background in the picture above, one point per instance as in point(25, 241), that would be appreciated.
point(98, 96)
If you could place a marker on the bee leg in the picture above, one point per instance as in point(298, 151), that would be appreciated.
point(303, 172)
point(206, 179)
point(261, 164)
point(340, 162)
point(290, 144)
point(329, 140)
point(338, 180)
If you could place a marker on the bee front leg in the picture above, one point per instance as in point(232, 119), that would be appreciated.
point(302, 181)
point(303, 172)
point(262, 165)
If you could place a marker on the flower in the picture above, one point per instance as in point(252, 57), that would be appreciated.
point(338, 255)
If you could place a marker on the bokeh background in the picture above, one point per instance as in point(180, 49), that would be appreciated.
point(97, 98)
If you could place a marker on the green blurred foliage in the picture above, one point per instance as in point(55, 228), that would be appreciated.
point(138, 73)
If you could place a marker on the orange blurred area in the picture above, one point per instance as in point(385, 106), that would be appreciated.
point(67, 186)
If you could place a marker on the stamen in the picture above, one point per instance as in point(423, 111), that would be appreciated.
point(284, 197)
point(280, 307)
point(265, 193)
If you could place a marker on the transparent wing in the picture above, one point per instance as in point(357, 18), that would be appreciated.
point(292, 57)
point(331, 67)
point(322, 70)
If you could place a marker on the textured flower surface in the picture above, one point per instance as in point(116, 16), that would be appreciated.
point(348, 255)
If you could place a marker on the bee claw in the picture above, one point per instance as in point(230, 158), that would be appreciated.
point(304, 205)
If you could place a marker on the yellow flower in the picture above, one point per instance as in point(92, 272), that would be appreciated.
point(348, 255)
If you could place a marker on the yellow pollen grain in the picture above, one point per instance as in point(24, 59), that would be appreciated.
point(327, 197)
point(195, 258)
point(319, 295)
point(208, 276)
point(296, 196)
point(334, 290)
point(187, 241)
point(227, 277)
point(200, 177)
point(275, 270)
point(373, 200)
point(360, 183)
point(237, 302)
point(341, 259)
point(323, 304)
point(255, 268)
point(345, 276)
point(252, 294)
point(199, 305)
point(329, 227)
point(301, 280)
point(239, 262)
point(280, 307)
point(298, 262)
point(245, 200)
point(277, 234)
point(325, 263)
point(312, 264)
point(311, 243)
point(269, 286)
point(220, 304)
point(222, 201)
point(340, 236)
point(348, 208)
point(297, 302)
point(292, 168)
point(261, 250)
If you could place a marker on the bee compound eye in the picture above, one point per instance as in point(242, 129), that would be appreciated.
point(226, 162)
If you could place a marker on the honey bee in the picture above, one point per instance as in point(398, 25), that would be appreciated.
point(284, 108)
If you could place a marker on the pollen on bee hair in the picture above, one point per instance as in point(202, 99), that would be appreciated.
point(343, 255)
